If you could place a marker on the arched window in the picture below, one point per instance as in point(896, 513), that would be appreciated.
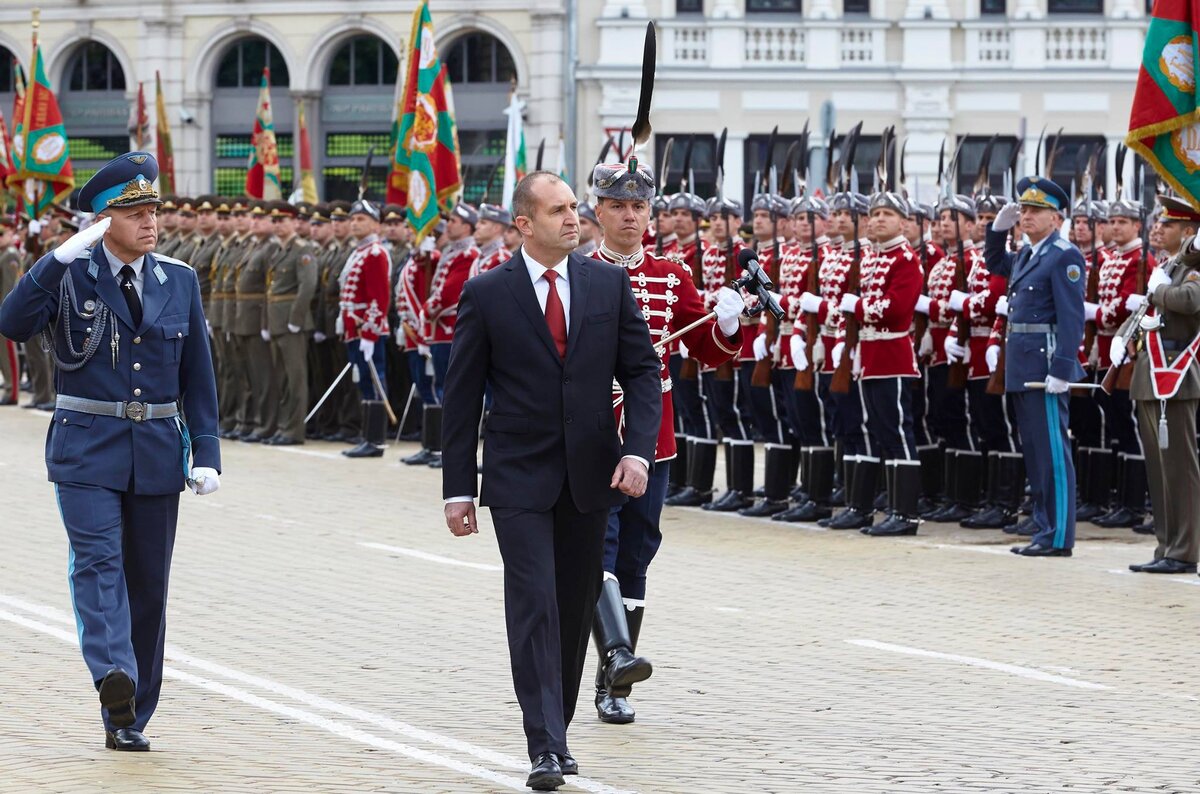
point(244, 61)
point(479, 58)
point(8, 64)
point(357, 106)
point(482, 73)
point(235, 102)
point(364, 60)
point(94, 108)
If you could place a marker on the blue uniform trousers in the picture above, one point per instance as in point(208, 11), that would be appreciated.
point(1043, 420)
point(721, 398)
point(440, 353)
point(888, 406)
point(850, 425)
point(804, 411)
point(366, 385)
point(120, 560)
point(946, 410)
point(421, 379)
point(634, 535)
point(691, 413)
point(989, 420)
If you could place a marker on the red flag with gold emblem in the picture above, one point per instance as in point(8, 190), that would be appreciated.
point(40, 153)
point(262, 173)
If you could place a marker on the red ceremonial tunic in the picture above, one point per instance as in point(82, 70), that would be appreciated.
point(364, 296)
point(980, 310)
point(794, 265)
point(835, 268)
point(889, 285)
point(411, 289)
point(441, 309)
point(1118, 280)
point(491, 256)
point(669, 301)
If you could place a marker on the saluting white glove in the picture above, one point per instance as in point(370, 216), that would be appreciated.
point(798, 350)
point(294, 329)
point(729, 310)
point(205, 481)
point(1134, 302)
point(266, 335)
point(810, 303)
point(79, 242)
point(319, 337)
point(367, 348)
point(1157, 279)
point(1117, 350)
point(760, 347)
point(955, 351)
point(1056, 385)
point(1007, 217)
point(957, 299)
point(1002, 306)
point(849, 303)
point(1090, 311)
point(923, 304)
point(992, 357)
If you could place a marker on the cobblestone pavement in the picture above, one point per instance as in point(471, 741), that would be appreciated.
point(328, 634)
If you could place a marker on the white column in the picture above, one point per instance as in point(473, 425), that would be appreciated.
point(926, 43)
point(927, 117)
point(545, 114)
point(1127, 9)
point(735, 164)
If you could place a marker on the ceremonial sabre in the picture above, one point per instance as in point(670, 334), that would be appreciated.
point(1039, 385)
point(328, 392)
point(379, 391)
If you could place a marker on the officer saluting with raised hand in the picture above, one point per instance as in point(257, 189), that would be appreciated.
point(1045, 328)
point(137, 406)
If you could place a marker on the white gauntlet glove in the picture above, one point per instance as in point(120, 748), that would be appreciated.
point(204, 481)
point(79, 242)
point(729, 310)
point(1007, 217)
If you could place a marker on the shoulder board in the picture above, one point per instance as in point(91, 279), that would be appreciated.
point(170, 260)
point(1062, 244)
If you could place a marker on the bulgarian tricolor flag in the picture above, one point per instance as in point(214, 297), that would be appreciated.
point(40, 153)
point(308, 183)
point(1164, 123)
point(425, 169)
point(262, 173)
point(162, 135)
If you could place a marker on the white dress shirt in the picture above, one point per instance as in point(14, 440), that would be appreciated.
point(541, 288)
point(116, 264)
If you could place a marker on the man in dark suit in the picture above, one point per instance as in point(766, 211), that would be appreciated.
point(549, 330)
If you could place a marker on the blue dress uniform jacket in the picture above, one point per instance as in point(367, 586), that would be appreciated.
point(164, 360)
point(1045, 288)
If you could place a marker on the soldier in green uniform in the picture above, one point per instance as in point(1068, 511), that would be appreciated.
point(168, 225)
point(320, 359)
point(42, 236)
point(258, 423)
point(291, 283)
point(189, 235)
point(345, 402)
point(231, 385)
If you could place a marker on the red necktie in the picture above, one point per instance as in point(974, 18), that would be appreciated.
point(556, 318)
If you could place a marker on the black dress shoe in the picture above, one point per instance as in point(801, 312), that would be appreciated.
point(1026, 528)
point(546, 774)
point(421, 458)
point(690, 497)
point(1038, 550)
point(798, 494)
point(1089, 511)
point(1137, 567)
point(228, 434)
point(1120, 518)
point(413, 436)
point(613, 711)
point(126, 739)
point(850, 519)
point(252, 438)
point(763, 508)
point(731, 502)
point(1145, 528)
point(1167, 565)
point(116, 695)
point(364, 450)
point(568, 763)
point(895, 526)
point(436, 463)
point(808, 512)
point(994, 517)
point(283, 441)
point(950, 514)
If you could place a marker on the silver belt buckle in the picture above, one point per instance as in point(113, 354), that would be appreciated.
point(135, 411)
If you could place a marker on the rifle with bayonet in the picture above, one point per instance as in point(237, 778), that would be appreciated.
point(995, 383)
point(725, 370)
point(761, 376)
point(956, 376)
point(843, 374)
point(804, 375)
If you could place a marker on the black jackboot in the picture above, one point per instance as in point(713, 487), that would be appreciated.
point(817, 473)
point(1095, 478)
point(904, 485)
point(998, 514)
point(431, 437)
point(1131, 495)
point(679, 466)
point(965, 477)
point(865, 484)
point(931, 458)
point(849, 466)
point(778, 478)
point(619, 667)
point(739, 476)
point(701, 466)
point(374, 421)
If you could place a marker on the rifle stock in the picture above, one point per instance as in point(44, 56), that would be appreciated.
point(842, 375)
point(804, 377)
point(996, 379)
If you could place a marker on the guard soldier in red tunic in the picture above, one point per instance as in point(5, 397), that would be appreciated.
point(441, 308)
point(489, 237)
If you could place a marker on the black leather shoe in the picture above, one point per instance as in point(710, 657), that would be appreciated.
point(116, 695)
point(568, 763)
point(690, 497)
point(1038, 550)
point(1089, 511)
point(436, 463)
point(950, 514)
point(623, 669)
point(421, 458)
point(252, 438)
point(1137, 567)
point(283, 441)
point(126, 739)
point(731, 502)
point(229, 434)
point(45, 406)
point(994, 517)
point(1167, 565)
point(808, 512)
point(1120, 518)
point(894, 527)
point(614, 711)
point(1026, 528)
point(413, 436)
point(546, 774)
point(851, 519)
point(1145, 528)
point(763, 508)
point(364, 450)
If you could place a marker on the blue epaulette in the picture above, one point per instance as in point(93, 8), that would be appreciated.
point(1062, 244)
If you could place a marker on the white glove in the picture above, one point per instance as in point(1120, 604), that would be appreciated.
point(424, 351)
point(954, 351)
point(992, 357)
point(810, 303)
point(729, 310)
point(1134, 302)
point(79, 242)
point(1002, 306)
point(319, 337)
point(849, 303)
point(1007, 217)
point(799, 356)
point(838, 350)
point(399, 337)
point(1117, 351)
point(683, 351)
point(1157, 279)
point(957, 299)
point(35, 228)
point(1090, 310)
point(205, 481)
point(208, 325)
point(428, 244)
point(339, 326)
point(1056, 385)
point(294, 329)
point(367, 348)
point(266, 335)
point(923, 304)
point(760, 347)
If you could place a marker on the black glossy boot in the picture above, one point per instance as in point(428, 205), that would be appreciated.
point(374, 420)
point(679, 466)
point(778, 478)
point(431, 437)
point(701, 467)
point(1131, 495)
point(817, 473)
point(739, 476)
point(861, 512)
point(905, 487)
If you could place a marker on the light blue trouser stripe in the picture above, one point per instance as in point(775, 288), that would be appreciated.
point(70, 570)
point(1059, 468)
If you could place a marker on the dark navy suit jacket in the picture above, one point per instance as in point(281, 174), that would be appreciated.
point(166, 359)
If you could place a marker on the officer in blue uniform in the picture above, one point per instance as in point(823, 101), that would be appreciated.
point(1045, 328)
point(135, 419)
